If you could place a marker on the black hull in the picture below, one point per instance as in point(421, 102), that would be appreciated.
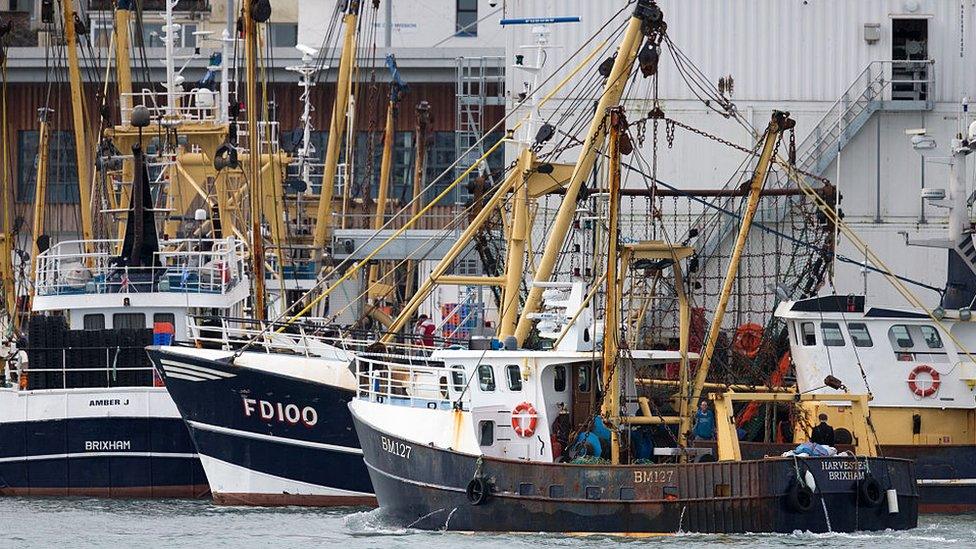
point(144, 457)
point(946, 473)
point(424, 487)
point(256, 460)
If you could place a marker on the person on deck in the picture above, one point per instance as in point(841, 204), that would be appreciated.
point(823, 433)
point(704, 422)
point(424, 330)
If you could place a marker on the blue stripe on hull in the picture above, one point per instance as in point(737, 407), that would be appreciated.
point(125, 456)
point(221, 403)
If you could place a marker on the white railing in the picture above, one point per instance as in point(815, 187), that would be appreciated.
point(196, 105)
point(268, 134)
point(182, 266)
point(385, 378)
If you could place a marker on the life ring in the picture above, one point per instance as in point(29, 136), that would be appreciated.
point(931, 389)
point(747, 339)
point(524, 411)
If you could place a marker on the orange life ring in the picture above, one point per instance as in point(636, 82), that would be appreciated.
point(747, 339)
point(931, 389)
point(521, 412)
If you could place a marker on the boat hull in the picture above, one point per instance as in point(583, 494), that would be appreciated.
point(99, 442)
point(424, 487)
point(946, 473)
point(268, 439)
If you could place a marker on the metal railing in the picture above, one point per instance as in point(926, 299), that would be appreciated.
point(74, 377)
point(382, 378)
point(182, 266)
point(196, 105)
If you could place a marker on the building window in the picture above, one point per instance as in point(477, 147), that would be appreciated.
point(94, 322)
point(467, 18)
point(152, 35)
point(486, 378)
point(859, 334)
point(62, 170)
point(832, 336)
point(283, 35)
point(514, 375)
point(122, 321)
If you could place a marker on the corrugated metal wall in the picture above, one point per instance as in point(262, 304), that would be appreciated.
point(784, 50)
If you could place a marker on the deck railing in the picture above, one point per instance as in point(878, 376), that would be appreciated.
point(85, 367)
point(203, 266)
point(405, 381)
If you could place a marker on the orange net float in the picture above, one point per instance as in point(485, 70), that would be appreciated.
point(747, 339)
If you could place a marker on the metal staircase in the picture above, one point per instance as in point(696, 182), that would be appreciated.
point(480, 83)
point(881, 86)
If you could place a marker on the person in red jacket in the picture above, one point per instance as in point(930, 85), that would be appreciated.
point(424, 331)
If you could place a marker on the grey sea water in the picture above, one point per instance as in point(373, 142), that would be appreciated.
point(82, 523)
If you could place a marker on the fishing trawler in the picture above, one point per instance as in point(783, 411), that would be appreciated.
point(82, 411)
point(916, 362)
point(449, 447)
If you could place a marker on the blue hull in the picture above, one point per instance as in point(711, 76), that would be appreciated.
point(295, 436)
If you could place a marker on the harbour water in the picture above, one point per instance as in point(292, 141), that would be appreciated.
point(82, 523)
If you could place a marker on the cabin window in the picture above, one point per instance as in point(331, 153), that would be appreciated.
point(899, 336)
point(121, 321)
point(860, 336)
point(168, 318)
point(94, 322)
point(809, 335)
point(832, 336)
point(486, 433)
point(583, 383)
point(514, 375)
point(486, 378)
point(457, 379)
point(931, 337)
point(559, 379)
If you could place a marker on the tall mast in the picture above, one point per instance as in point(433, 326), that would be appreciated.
point(7, 248)
point(611, 324)
point(419, 165)
point(78, 118)
point(779, 123)
point(379, 216)
point(229, 37)
point(169, 32)
point(337, 127)
point(123, 63)
point(254, 159)
point(646, 12)
point(40, 195)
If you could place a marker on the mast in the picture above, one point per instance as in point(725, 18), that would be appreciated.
point(337, 127)
point(419, 165)
point(779, 123)
point(78, 118)
point(254, 160)
point(40, 195)
point(7, 248)
point(611, 402)
point(397, 88)
point(123, 64)
point(646, 12)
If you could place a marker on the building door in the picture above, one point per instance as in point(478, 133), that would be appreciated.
point(909, 51)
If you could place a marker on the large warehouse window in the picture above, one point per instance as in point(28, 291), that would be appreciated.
point(62, 175)
point(467, 18)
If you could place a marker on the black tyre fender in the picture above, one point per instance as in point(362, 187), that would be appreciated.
point(799, 497)
point(478, 490)
point(870, 492)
